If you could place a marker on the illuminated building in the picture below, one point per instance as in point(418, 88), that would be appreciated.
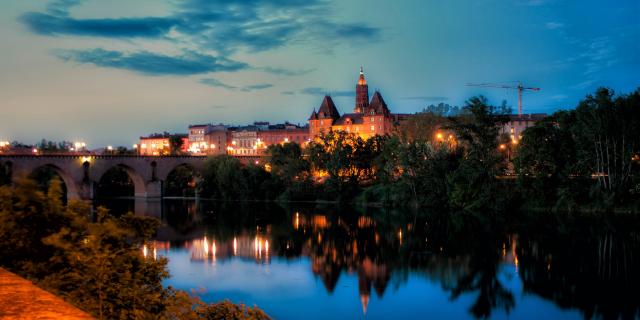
point(369, 118)
point(207, 139)
point(159, 144)
point(254, 140)
point(518, 123)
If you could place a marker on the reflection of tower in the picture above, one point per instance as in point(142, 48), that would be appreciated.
point(362, 94)
point(370, 273)
point(364, 287)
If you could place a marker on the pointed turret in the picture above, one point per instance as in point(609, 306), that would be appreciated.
point(328, 109)
point(314, 115)
point(362, 94)
point(377, 105)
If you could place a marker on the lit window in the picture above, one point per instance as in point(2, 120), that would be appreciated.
point(373, 128)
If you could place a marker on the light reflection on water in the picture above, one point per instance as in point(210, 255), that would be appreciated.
point(329, 263)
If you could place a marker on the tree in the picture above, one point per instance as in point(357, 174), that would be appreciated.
point(473, 185)
point(287, 162)
point(606, 135)
point(176, 143)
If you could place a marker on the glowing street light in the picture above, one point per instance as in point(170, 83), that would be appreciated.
point(439, 136)
point(110, 148)
point(503, 146)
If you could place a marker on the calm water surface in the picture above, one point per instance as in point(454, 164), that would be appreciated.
point(327, 263)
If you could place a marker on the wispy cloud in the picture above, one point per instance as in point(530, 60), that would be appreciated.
point(559, 97)
point(51, 25)
point(219, 84)
point(286, 72)
point(150, 63)
point(317, 91)
point(223, 26)
point(259, 86)
point(553, 25)
point(216, 83)
point(427, 98)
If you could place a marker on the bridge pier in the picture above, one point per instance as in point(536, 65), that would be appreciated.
point(153, 190)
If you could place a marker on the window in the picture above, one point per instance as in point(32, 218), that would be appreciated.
point(373, 128)
point(372, 119)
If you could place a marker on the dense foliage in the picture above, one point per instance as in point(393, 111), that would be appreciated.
point(586, 155)
point(96, 263)
point(585, 158)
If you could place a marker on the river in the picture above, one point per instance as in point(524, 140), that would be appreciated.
point(322, 262)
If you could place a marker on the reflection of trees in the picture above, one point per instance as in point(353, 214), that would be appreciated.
point(483, 278)
point(595, 273)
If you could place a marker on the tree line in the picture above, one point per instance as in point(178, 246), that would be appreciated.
point(586, 158)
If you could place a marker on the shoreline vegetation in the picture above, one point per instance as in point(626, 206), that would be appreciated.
point(95, 261)
point(586, 159)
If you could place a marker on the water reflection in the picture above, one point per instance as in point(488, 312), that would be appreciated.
point(395, 264)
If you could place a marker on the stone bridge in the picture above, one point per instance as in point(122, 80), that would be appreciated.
point(81, 173)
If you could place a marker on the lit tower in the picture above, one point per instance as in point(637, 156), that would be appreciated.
point(362, 94)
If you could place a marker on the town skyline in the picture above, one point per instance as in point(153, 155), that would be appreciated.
point(107, 74)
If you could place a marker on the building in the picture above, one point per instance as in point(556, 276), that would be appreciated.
point(244, 141)
point(253, 140)
point(518, 123)
point(369, 117)
point(159, 144)
point(284, 133)
point(208, 139)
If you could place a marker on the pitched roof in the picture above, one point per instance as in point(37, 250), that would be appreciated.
point(314, 115)
point(378, 105)
point(355, 118)
point(328, 109)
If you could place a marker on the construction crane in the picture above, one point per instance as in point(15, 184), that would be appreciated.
point(519, 87)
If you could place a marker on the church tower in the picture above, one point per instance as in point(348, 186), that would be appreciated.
point(362, 94)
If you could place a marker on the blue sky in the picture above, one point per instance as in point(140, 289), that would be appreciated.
point(107, 72)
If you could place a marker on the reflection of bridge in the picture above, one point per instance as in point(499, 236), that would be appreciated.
point(81, 173)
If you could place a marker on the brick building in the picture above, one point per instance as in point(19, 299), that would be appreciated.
point(369, 118)
point(208, 139)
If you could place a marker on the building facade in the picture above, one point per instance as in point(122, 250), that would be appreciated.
point(207, 139)
point(369, 117)
point(159, 144)
point(518, 123)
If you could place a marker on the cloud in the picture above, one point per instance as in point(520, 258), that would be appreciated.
point(149, 63)
point(286, 72)
point(288, 93)
point(224, 26)
point(216, 83)
point(559, 97)
point(254, 87)
point(317, 91)
point(427, 98)
point(61, 7)
point(51, 25)
point(553, 25)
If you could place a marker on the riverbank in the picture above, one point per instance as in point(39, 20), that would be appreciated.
point(21, 299)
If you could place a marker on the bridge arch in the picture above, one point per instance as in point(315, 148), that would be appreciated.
point(67, 178)
point(139, 184)
point(181, 180)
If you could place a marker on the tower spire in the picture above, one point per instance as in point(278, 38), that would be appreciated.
point(362, 94)
point(361, 80)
